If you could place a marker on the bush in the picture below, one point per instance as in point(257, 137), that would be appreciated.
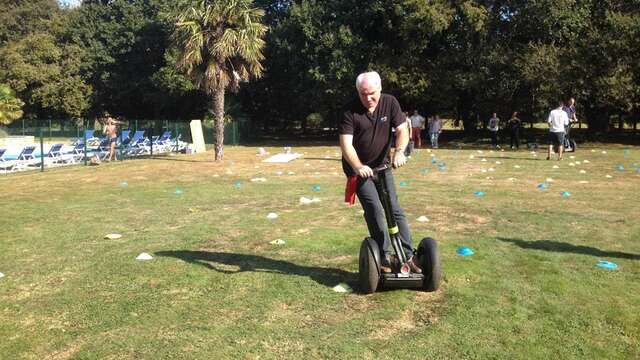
point(314, 121)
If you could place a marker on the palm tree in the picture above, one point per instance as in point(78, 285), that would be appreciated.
point(219, 45)
point(10, 105)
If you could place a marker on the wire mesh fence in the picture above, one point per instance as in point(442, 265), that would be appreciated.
point(40, 144)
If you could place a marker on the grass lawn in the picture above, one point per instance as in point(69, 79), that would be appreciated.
point(217, 289)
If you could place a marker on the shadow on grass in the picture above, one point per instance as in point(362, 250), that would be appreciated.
point(558, 246)
point(165, 158)
point(245, 262)
point(317, 158)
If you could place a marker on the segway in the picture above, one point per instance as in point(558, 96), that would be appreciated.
point(568, 143)
point(371, 276)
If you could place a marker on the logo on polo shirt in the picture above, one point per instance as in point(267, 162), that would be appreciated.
point(383, 119)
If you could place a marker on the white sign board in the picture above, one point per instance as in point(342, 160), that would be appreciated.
point(197, 136)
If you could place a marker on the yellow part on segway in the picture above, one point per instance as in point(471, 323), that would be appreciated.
point(394, 230)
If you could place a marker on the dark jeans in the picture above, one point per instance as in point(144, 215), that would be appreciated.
point(515, 138)
point(374, 214)
point(494, 138)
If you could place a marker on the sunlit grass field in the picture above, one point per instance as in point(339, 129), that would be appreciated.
point(216, 287)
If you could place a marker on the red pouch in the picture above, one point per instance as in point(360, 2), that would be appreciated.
point(350, 190)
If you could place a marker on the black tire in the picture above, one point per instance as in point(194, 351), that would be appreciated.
point(368, 269)
point(572, 143)
point(430, 262)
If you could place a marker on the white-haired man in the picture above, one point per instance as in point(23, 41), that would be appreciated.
point(365, 139)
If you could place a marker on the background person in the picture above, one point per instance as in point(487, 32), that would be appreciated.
point(514, 129)
point(435, 128)
point(112, 134)
point(410, 146)
point(494, 126)
point(417, 124)
point(557, 120)
point(570, 109)
point(365, 131)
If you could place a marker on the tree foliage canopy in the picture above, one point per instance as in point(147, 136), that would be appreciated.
point(10, 105)
point(464, 58)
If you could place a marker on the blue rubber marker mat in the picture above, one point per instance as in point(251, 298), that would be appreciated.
point(479, 194)
point(464, 251)
point(542, 186)
point(607, 265)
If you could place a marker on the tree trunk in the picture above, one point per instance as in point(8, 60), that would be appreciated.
point(597, 119)
point(218, 120)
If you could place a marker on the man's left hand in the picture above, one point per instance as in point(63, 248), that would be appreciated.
point(399, 159)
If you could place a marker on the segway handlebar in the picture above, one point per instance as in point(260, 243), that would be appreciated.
point(380, 168)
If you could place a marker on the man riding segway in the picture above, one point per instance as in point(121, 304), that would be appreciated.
point(365, 139)
point(365, 136)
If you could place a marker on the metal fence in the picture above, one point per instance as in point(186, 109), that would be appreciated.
point(56, 128)
point(67, 142)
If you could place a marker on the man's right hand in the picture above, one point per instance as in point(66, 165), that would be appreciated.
point(364, 171)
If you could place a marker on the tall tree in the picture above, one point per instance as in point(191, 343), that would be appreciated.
point(220, 44)
point(127, 59)
point(10, 105)
point(19, 18)
point(46, 75)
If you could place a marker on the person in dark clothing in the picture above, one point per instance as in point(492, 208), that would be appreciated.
point(365, 140)
point(494, 127)
point(514, 127)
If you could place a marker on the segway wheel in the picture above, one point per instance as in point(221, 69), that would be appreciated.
point(369, 270)
point(572, 143)
point(430, 261)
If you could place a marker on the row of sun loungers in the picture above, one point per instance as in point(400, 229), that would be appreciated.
point(60, 154)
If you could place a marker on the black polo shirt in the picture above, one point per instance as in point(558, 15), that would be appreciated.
point(371, 132)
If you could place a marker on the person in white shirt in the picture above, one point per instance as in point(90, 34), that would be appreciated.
point(494, 126)
point(558, 119)
point(417, 124)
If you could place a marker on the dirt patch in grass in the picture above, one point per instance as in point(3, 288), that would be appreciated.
point(402, 323)
point(429, 315)
point(452, 220)
point(69, 351)
point(427, 309)
point(358, 303)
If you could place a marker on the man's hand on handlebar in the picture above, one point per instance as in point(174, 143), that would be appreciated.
point(399, 159)
point(364, 171)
